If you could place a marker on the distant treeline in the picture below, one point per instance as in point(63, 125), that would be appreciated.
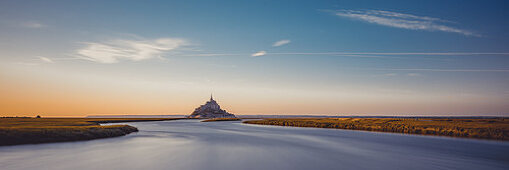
point(497, 128)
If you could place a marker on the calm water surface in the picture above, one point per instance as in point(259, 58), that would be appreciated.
point(190, 144)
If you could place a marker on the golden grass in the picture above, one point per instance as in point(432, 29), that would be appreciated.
point(221, 119)
point(469, 128)
point(42, 130)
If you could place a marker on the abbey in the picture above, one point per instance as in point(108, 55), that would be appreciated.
point(210, 110)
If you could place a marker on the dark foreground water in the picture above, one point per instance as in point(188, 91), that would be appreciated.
point(190, 144)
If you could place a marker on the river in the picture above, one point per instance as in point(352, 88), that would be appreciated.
point(190, 144)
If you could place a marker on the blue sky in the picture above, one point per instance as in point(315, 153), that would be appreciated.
point(263, 57)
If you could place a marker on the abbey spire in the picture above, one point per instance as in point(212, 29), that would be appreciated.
point(210, 110)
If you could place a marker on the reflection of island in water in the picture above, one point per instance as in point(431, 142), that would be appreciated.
point(210, 110)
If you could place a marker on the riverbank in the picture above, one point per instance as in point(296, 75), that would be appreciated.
point(221, 119)
point(15, 131)
point(496, 128)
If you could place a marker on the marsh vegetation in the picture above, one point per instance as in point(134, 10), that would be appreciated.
point(15, 131)
point(497, 128)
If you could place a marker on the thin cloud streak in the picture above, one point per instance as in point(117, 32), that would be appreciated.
point(46, 59)
point(33, 24)
point(442, 70)
point(280, 43)
point(135, 50)
point(351, 54)
point(381, 55)
point(213, 54)
point(368, 53)
point(259, 53)
point(400, 20)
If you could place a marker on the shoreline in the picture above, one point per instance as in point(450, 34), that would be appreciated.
point(488, 129)
point(18, 131)
point(221, 119)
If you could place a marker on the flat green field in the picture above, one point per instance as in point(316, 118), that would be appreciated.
point(15, 131)
point(497, 128)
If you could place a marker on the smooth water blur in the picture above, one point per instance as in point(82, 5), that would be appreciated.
point(190, 144)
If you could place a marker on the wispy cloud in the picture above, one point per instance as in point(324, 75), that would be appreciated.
point(135, 50)
point(390, 74)
point(413, 74)
point(394, 55)
point(401, 20)
point(396, 74)
point(38, 60)
point(374, 54)
point(32, 24)
point(213, 54)
point(259, 53)
point(280, 43)
point(441, 70)
point(45, 59)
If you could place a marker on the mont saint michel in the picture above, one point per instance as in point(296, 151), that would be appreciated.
point(210, 109)
point(299, 85)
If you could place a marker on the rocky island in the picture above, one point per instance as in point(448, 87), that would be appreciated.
point(211, 110)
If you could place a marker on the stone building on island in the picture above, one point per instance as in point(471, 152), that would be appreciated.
point(210, 110)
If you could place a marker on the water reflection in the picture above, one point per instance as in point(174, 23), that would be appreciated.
point(190, 144)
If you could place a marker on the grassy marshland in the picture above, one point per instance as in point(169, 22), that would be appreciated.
point(221, 119)
point(469, 128)
point(15, 131)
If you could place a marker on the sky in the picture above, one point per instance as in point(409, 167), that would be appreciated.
point(404, 58)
